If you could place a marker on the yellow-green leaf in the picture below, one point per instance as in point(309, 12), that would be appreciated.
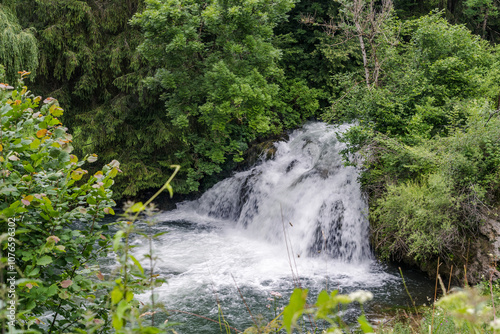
point(129, 296)
point(137, 207)
point(365, 325)
point(56, 111)
point(137, 263)
point(294, 309)
point(113, 172)
point(117, 322)
point(35, 144)
point(116, 295)
point(170, 190)
point(77, 174)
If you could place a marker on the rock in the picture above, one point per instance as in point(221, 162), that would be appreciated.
point(263, 148)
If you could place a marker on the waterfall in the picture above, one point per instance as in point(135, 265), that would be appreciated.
point(299, 218)
point(305, 191)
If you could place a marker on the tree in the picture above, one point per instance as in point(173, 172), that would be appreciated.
point(18, 47)
point(89, 62)
point(480, 11)
point(429, 142)
point(365, 21)
point(218, 74)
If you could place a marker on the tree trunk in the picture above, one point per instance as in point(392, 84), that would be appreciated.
point(363, 52)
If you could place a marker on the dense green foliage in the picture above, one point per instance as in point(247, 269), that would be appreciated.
point(18, 47)
point(88, 57)
point(52, 240)
point(219, 78)
point(54, 235)
point(89, 62)
point(429, 134)
point(220, 75)
point(453, 185)
point(157, 82)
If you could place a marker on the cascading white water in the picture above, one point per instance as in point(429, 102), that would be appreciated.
point(305, 188)
point(236, 232)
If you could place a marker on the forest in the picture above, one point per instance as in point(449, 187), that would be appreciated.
point(107, 101)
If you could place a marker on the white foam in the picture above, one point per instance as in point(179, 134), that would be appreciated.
point(237, 227)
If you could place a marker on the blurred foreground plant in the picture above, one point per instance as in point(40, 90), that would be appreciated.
point(50, 208)
point(328, 308)
point(128, 315)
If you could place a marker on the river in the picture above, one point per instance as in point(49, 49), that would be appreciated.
point(299, 219)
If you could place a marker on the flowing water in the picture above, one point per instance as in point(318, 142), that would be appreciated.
point(299, 218)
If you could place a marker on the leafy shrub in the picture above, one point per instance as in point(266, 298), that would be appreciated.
point(56, 208)
point(328, 307)
point(417, 219)
point(431, 69)
point(429, 139)
point(440, 190)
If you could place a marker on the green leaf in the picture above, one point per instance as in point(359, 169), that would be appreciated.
point(117, 322)
point(31, 305)
point(122, 307)
point(365, 325)
point(34, 272)
point(29, 168)
point(137, 207)
point(44, 260)
point(294, 309)
point(170, 190)
point(63, 294)
point(23, 281)
point(160, 233)
point(323, 298)
point(113, 172)
point(35, 144)
point(117, 239)
point(63, 157)
point(52, 290)
point(129, 296)
point(150, 330)
point(116, 295)
point(137, 263)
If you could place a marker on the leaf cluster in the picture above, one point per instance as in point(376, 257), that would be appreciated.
point(429, 140)
point(56, 207)
point(219, 77)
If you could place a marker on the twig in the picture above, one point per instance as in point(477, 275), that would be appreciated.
point(244, 302)
point(466, 282)
point(492, 300)
point(294, 278)
point(451, 273)
point(408, 292)
point(442, 284)
point(435, 295)
point(326, 260)
point(491, 115)
point(347, 93)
